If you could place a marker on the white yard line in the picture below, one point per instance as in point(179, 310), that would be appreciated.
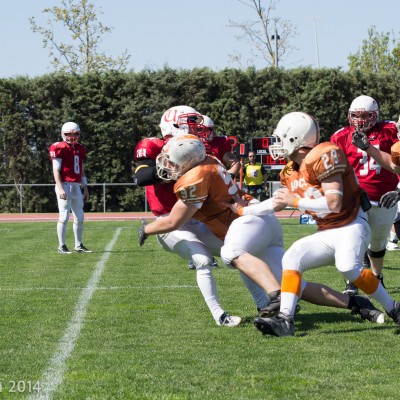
point(68, 289)
point(53, 376)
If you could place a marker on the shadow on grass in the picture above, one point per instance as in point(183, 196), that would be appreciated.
point(307, 322)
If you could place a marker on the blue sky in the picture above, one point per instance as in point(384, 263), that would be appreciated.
point(195, 33)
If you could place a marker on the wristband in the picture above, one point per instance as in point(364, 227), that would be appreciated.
point(84, 181)
point(296, 202)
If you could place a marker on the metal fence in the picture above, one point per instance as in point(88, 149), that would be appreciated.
point(19, 188)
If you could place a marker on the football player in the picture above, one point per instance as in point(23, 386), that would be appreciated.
point(367, 143)
point(318, 180)
point(252, 244)
point(192, 241)
point(67, 159)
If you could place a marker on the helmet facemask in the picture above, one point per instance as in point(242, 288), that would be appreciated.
point(179, 155)
point(363, 113)
point(71, 137)
point(362, 120)
point(167, 170)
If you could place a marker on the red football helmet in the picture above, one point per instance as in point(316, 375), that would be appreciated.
point(205, 131)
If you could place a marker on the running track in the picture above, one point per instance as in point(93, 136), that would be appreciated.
point(133, 216)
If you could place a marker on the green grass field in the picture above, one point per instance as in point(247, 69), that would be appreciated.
point(129, 323)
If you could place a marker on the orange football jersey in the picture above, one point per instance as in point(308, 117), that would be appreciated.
point(207, 186)
point(323, 161)
point(395, 153)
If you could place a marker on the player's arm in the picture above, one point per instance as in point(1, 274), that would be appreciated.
point(179, 215)
point(231, 163)
point(84, 185)
point(57, 162)
point(145, 172)
point(360, 140)
point(382, 158)
point(330, 202)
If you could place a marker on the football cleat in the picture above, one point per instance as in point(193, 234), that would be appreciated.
point(395, 313)
point(82, 249)
point(351, 289)
point(392, 246)
point(280, 325)
point(273, 306)
point(63, 250)
point(367, 310)
point(191, 265)
point(215, 263)
point(229, 321)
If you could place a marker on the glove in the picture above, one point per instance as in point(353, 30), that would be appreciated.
point(389, 199)
point(141, 234)
point(360, 140)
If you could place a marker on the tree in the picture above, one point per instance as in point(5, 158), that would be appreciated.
point(380, 52)
point(268, 35)
point(82, 55)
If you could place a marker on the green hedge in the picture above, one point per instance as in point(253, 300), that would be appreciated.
point(115, 110)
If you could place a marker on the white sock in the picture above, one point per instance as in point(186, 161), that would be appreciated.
point(78, 233)
point(61, 232)
point(258, 294)
point(208, 288)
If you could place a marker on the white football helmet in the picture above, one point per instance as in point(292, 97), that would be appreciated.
point(70, 132)
point(363, 113)
point(205, 131)
point(177, 120)
point(178, 156)
point(294, 130)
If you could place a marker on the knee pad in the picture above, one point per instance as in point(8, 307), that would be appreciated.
point(228, 254)
point(376, 254)
point(201, 261)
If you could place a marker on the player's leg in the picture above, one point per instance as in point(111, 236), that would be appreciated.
point(64, 207)
point(187, 245)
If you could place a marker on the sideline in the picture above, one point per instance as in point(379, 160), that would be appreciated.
point(53, 376)
point(111, 216)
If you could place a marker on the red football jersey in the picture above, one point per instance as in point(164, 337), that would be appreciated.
point(72, 156)
point(374, 179)
point(218, 147)
point(322, 162)
point(161, 197)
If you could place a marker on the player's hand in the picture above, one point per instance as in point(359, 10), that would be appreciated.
point(283, 198)
point(235, 207)
point(360, 140)
point(141, 233)
point(63, 195)
point(389, 199)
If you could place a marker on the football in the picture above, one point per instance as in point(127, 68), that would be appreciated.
point(395, 154)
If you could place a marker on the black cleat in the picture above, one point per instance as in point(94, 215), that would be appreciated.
point(82, 249)
point(364, 307)
point(280, 325)
point(395, 313)
point(351, 289)
point(63, 250)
